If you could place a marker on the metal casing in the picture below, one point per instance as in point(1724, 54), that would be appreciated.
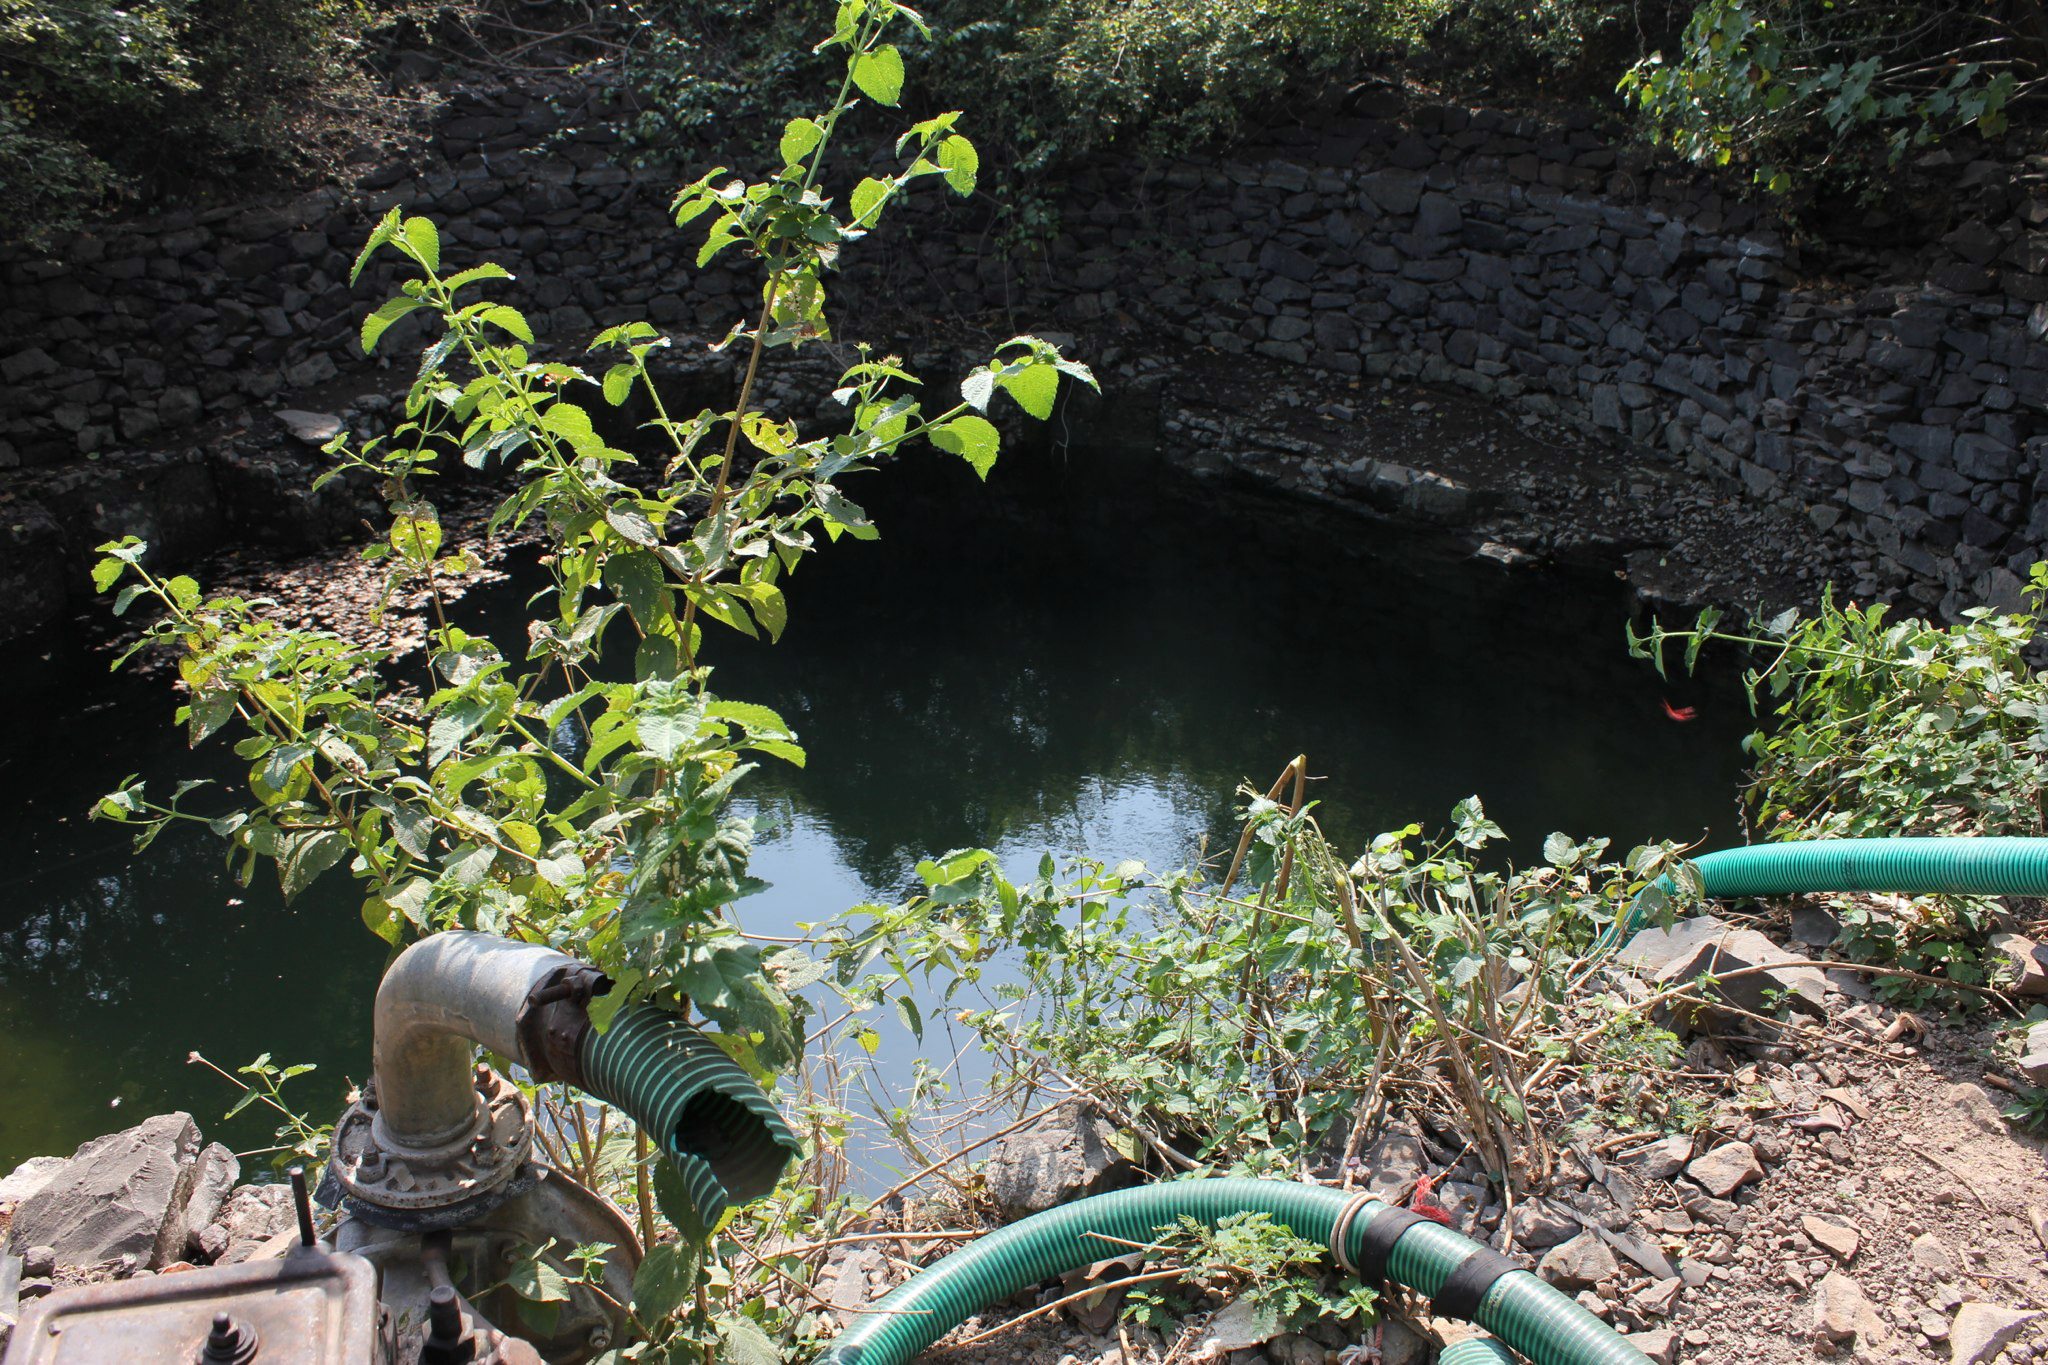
point(309, 1307)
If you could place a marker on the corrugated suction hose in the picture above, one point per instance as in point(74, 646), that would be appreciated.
point(1466, 1279)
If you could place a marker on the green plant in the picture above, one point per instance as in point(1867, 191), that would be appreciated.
point(1804, 89)
point(110, 102)
point(299, 1139)
point(458, 804)
point(1882, 728)
point(1248, 1256)
point(1265, 1023)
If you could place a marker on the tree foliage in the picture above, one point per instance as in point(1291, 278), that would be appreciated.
point(107, 102)
point(1834, 90)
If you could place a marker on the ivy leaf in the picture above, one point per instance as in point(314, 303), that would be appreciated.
point(879, 74)
point(973, 439)
point(799, 138)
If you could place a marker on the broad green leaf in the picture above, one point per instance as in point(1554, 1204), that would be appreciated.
point(635, 578)
point(1034, 388)
point(868, 197)
point(798, 138)
point(961, 163)
point(618, 383)
point(304, 855)
point(508, 319)
point(667, 1274)
point(425, 240)
point(879, 74)
point(375, 325)
point(742, 1342)
point(978, 388)
point(973, 439)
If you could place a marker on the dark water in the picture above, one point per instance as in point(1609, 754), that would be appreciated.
point(1059, 671)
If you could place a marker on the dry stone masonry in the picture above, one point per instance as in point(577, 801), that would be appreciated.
point(1897, 401)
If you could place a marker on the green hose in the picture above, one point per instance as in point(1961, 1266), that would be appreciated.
point(1905, 867)
point(1525, 1313)
point(711, 1119)
point(1988, 866)
point(1476, 1351)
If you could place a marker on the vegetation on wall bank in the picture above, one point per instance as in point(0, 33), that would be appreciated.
point(109, 104)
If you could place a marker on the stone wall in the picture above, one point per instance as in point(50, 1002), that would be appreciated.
point(1898, 402)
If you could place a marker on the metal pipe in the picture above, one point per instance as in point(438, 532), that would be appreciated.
point(442, 996)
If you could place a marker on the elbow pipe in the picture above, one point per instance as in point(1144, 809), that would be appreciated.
point(1466, 1280)
point(431, 1110)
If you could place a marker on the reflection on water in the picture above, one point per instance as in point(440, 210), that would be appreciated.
point(1033, 679)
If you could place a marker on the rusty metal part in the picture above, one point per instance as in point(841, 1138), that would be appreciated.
point(555, 1016)
point(474, 1259)
point(376, 1170)
point(229, 1341)
point(310, 1307)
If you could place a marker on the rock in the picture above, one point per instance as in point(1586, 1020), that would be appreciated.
point(853, 1279)
point(2028, 961)
point(212, 1183)
point(1069, 1154)
point(30, 1176)
point(1539, 1225)
point(314, 428)
point(1705, 945)
point(120, 1195)
point(1580, 1263)
point(1814, 926)
point(39, 1262)
point(1842, 1313)
point(1392, 1165)
point(1838, 1235)
point(252, 1216)
point(1239, 1325)
point(1663, 1159)
point(1981, 1330)
point(1932, 1255)
point(1660, 1345)
point(1726, 1169)
point(1661, 1298)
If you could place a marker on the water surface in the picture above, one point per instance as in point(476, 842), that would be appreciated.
point(1049, 670)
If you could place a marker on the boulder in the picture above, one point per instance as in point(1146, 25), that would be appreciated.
point(1069, 1154)
point(30, 1176)
point(120, 1195)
